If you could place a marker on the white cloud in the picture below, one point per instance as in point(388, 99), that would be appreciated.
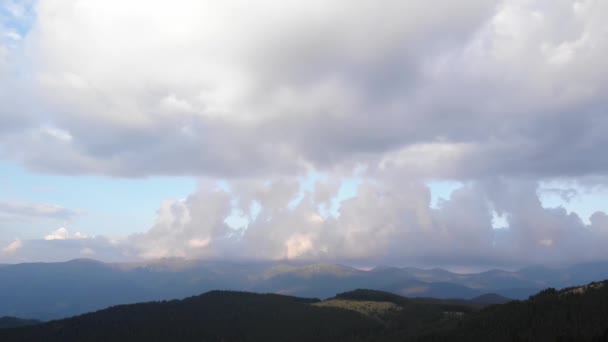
point(87, 251)
point(389, 221)
point(199, 243)
point(57, 133)
point(186, 227)
point(15, 8)
point(12, 35)
point(298, 245)
point(64, 234)
point(11, 210)
point(57, 250)
point(13, 247)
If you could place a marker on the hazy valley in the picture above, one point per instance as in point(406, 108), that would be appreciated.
point(572, 314)
point(57, 290)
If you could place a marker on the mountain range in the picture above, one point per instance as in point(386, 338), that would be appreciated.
point(56, 290)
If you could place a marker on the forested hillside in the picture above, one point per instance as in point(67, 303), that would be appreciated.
point(572, 314)
point(214, 316)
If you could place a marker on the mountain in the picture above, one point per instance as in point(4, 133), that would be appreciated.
point(572, 314)
point(12, 322)
point(56, 290)
point(214, 316)
point(325, 280)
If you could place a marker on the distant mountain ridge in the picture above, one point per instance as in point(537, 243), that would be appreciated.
point(13, 322)
point(56, 290)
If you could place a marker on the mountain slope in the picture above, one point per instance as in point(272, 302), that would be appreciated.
point(214, 316)
point(361, 315)
point(572, 314)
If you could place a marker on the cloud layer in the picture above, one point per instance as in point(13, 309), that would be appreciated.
point(485, 87)
point(21, 210)
point(499, 95)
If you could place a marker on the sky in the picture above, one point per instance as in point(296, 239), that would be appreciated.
point(359, 132)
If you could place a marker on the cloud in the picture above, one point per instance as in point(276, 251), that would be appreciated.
point(483, 88)
point(64, 234)
point(40, 250)
point(388, 221)
point(565, 194)
point(87, 251)
point(498, 95)
point(13, 247)
point(21, 210)
point(16, 9)
point(185, 228)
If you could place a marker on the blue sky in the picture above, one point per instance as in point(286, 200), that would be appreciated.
point(110, 206)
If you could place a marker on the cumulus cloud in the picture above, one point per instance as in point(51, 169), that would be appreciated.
point(185, 228)
point(64, 234)
point(21, 210)
point(386, 222)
